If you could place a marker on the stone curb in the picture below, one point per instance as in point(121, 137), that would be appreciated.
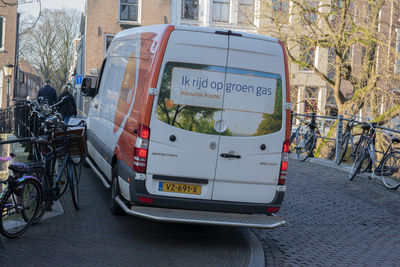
point(257, 257)
point(342, 167)
point(56, 210)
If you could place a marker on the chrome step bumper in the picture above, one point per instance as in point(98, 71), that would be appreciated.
point(203, 217)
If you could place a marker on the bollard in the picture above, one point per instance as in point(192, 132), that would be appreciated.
point(338, 138)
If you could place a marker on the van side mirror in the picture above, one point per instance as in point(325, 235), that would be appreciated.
point(88, 87)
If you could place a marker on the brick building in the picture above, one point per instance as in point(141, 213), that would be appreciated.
point(240, 15)
point(312, 93)
point(8, 31)
point(28, 82)
point(102, 20)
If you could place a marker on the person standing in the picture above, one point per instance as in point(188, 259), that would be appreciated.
point(48, 92)
point(67, 107)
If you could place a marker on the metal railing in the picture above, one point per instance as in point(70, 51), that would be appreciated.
point(6, 120)
point(326, 122)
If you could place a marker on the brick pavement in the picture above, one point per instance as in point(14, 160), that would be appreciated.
point(334, 222)
point(92, 236)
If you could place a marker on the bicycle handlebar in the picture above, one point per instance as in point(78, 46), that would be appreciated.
point(18, 140)
point(59, 102)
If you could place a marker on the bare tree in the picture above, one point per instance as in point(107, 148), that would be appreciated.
point(49, 45)
point(351, 32)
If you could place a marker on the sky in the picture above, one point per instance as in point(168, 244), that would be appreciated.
point(33, 8)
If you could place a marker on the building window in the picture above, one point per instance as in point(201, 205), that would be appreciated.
point(246, 11)
point(331, 108)
point(107, 41)
point(310, 12)
point(129, 10)
point(190, 9)
point(307, 55)
point(1, 87)
point(280, 11)
point(397, 57)
point(2, 33)
point(311, 99)
point(280, 5)
point(221, 10)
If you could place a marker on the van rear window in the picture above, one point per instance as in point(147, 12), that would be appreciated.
point(219, 100)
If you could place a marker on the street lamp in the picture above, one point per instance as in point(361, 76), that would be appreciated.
point(8, 69)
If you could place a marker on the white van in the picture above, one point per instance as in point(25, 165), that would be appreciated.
point(191, 124)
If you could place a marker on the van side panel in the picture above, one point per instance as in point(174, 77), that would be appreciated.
point(154, 74)
point(151, 51)
point(114, 112)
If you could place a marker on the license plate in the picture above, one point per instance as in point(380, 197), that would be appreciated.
point(179, 188)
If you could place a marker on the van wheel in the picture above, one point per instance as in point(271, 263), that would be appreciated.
point(115, 191)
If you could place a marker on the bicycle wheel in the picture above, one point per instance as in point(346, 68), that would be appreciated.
point(389, 170)
point(305, 145)
point(366, 164)
point(19, 207)
point(355, 169)
point(47, 196)
point(343, 148)
point(357, 148)
point(73, 183)
point(292, 142)
point(63, 183)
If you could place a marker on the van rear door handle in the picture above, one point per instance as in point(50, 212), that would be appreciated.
point(225, 155)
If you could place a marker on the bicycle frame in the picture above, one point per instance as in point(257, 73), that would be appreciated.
point(372, 153)
point(50, 157)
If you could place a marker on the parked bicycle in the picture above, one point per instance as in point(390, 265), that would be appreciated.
point(66, 143)
point(348, 138)
point(20, 199)
point(305, 138)
point(386, 169)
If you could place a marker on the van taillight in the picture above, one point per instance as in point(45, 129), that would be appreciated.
point(141, 148)
point(284, 163)
point(273, 209)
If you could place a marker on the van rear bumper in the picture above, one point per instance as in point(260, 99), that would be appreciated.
point(203, 217)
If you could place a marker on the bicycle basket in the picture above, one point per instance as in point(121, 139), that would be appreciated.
point(74, 140)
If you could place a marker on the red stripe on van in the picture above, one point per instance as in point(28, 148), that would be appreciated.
point(155, 71)
point(287, 132)
point(152, 49)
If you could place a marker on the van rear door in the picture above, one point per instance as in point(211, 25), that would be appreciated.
point(249, 157)
point(183, 145)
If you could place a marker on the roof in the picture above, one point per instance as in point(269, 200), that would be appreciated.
point(159, 29)
point(24, 66)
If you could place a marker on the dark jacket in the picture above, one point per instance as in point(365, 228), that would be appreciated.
point(68, 106)
point(49, 93)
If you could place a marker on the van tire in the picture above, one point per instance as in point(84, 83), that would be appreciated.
point(115, 191)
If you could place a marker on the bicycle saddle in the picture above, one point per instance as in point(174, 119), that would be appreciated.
point(365, 126)
point(395, 139)
point(19, 167)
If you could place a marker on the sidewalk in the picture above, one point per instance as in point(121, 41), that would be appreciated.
point(343, 167)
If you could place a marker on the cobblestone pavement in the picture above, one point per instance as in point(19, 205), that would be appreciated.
point(334, 222)
point(92, 236)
